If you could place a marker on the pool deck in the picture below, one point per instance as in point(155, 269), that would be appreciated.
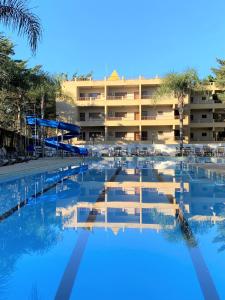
point(37, 166)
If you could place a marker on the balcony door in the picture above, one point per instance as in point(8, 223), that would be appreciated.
point(144, 135)
point(137, 115)
point(137, 136)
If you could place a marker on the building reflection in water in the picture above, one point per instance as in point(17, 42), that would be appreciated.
point(144, 198)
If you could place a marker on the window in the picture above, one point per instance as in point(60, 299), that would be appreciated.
point(82, 116)
point(94, 95)
point(203, 97)
point(146, 94)
point(204, 116)
point(120, 134)
point(176, 132)
point(82, 136)
point(90, 95)
point(144, 113)
point(144, 135)
point(120, 94)
point(120, 114)
point(192, 117)
point(192, 99)
point(204, 133)
point(192, 135)
point(95, 115)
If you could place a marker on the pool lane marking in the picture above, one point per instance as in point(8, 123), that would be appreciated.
point(70, 274)
point(204, 277)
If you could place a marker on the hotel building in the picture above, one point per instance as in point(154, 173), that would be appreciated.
point(119, 110)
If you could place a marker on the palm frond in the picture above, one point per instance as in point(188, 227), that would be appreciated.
point(16, 14)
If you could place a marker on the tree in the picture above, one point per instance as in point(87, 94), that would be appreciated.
point(23, 88)
point(16, 14)
point(179, 85)
point(83, 77)
point(220, 73)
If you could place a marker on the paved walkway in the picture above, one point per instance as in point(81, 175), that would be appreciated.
point(37, 166)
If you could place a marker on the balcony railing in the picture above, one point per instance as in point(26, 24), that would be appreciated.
point(91, 98)
point(208, 121)
point(158, 117)
point(220, 139)
point(149, 96)
point(202, 121)
point(124, 138)
point(123, 97)
point(92, 120)
point(199, 101)
point(121, 118)
point(221, 119)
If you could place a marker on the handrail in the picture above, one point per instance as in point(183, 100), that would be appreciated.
point(90, 98)
point(126, 97)
point(203, 102)
point(120, 118)
point(157, 117)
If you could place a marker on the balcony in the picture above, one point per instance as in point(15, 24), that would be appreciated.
point(91, 101)
point(198, 123)
point(157, 117)
point(122, 121)
point(116, 139)
point(124, 97)
point(86, 98)
point(147, 96)
point(156, 120)
point(151, 100)
point(121, 118)
point(200, 101)
point(92, 122)
point(219, 117)
point(207, 104)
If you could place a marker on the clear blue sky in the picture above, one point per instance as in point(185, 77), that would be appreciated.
point(135, 37)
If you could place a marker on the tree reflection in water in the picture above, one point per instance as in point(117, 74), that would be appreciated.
point(33, 230)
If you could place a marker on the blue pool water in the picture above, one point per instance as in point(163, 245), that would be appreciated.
point(149, 229)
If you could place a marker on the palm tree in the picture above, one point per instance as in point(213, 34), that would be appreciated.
point(180, 85)
point(16, 14)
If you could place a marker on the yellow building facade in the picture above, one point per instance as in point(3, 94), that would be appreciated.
point(125, 111)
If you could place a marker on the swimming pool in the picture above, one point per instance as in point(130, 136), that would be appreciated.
point(137, 229)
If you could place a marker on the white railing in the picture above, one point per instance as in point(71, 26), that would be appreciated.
point(202, 121)
point(149, 96)
point(121, 118)
point(91, 98)
point(124, 97)
point(93, 120)
point(198, 101)
point(158, 117)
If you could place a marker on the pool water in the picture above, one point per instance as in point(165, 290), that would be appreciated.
point(149, 229)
